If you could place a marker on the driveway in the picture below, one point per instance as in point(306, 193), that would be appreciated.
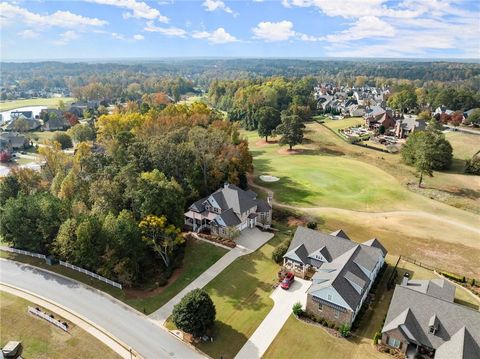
point(249, 241)
point(126, 324)
point(266, 332)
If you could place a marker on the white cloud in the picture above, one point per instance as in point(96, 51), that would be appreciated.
point(168, 31)
point(64, 19)
point(280, 31)
point(212, 5)
point(360, 8)
point(137, 9)
point(66, 37)
point(28, 34)
point(274, 31)
point(138, 37)
point(219, 36)
point(365, 27)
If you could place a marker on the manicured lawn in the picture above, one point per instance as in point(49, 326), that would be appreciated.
point(303, 341)
point(241, 294)
point(345, 123)
point(199, 256)
point(50, 102)
point(41, 339)
point(464, 145)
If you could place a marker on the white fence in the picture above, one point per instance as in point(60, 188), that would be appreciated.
point(65, 264)
point(47, 317)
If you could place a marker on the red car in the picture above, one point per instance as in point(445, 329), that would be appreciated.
point(287, 281)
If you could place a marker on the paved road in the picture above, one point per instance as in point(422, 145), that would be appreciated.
point(266, 332)
point(249, 241)
point(131, 327)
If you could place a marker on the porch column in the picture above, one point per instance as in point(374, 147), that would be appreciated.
point(284, 260)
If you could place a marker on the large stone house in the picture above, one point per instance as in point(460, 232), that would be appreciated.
point(342, 271)
point(228, 211)
point(407, 125)
point(423, 318)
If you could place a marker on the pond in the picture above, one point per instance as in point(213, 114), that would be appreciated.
point(35, 110)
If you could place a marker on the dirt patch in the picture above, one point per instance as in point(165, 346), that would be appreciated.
point(295, 221)
point(286, 151)
point(133, 293)
point(264, 143)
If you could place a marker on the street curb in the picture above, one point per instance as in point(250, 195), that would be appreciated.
point(81, 317)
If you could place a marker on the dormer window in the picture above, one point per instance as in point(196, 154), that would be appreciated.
point(432, 329)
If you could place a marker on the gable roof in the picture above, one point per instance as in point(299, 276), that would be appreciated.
point(231, 196)
point(438, 288)
point(461, 345)
point(227, 218)
point(345, 265)
point(412, 311)
point(374, 242)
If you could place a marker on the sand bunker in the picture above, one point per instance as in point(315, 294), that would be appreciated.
point(268, 178)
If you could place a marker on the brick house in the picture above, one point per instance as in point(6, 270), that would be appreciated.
point(228, 211)
point(423, 318)
point(342, 271)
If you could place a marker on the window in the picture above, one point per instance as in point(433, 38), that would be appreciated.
point(320, 307)
point(337, 313)
point(394, 342)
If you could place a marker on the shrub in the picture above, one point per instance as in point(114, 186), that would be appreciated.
point(344, 330)
point(279, 252)
point(297, 309)
point(195, 313)
point(454, 277)
point(376, 337)
point(472, 282)
point(312, 225)
point(64, 140)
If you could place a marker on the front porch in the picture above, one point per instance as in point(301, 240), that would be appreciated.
point(198, 221)
point(300, 270)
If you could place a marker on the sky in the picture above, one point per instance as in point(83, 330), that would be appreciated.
point(75, 29)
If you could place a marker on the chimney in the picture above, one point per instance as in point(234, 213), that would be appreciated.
point(405, 279)
point(269, 198)
point(225, 185)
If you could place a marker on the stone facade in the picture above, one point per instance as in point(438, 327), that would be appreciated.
point(327, 312)
point(396, 334)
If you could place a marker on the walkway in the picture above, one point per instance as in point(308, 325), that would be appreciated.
point(249, 241)
point(266, 332)
point(120, 321)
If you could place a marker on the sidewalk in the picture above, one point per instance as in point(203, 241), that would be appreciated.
point(266, 332)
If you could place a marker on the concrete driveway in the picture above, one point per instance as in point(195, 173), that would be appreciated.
point(124, 323)
point(249, 241)
point(253, 238)
point(266, 332)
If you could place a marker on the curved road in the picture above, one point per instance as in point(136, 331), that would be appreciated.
point(129, 326)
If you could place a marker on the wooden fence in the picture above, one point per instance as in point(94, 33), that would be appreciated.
point(65, 264)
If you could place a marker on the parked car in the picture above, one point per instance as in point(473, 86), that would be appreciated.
point(287, 281)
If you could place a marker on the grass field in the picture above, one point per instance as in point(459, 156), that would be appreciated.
point(50, 102)
point(300, 340)
point(345, 123)
point(241, 294)
point(366, 193)
point(41, 339)
point(198, 257)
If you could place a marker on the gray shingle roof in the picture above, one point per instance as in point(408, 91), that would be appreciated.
point(229, 218)
point(263, 206)
point(439, 288)
point(234, 197)
point(411, 311)
point(375, 243)
point(345, 266)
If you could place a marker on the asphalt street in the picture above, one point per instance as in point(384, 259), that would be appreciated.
point(129, 326)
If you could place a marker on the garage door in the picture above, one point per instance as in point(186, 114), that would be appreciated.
point(243, 225)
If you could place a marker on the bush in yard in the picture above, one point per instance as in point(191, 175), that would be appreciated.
point(344, 330)
point(312, 225)
point(195, 313)
point(472, 166)
point(472, 282)
point(64, 140)
point(376, 338)
point(279, 252)
point(297, 309)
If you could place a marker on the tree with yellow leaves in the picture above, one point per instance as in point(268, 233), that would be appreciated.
point(160, 235)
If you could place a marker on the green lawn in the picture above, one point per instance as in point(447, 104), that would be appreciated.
point(300, 340)
point(199, 256)
point(241, 294)
point(41, 339)
point(50, 102)
point(345, 123)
